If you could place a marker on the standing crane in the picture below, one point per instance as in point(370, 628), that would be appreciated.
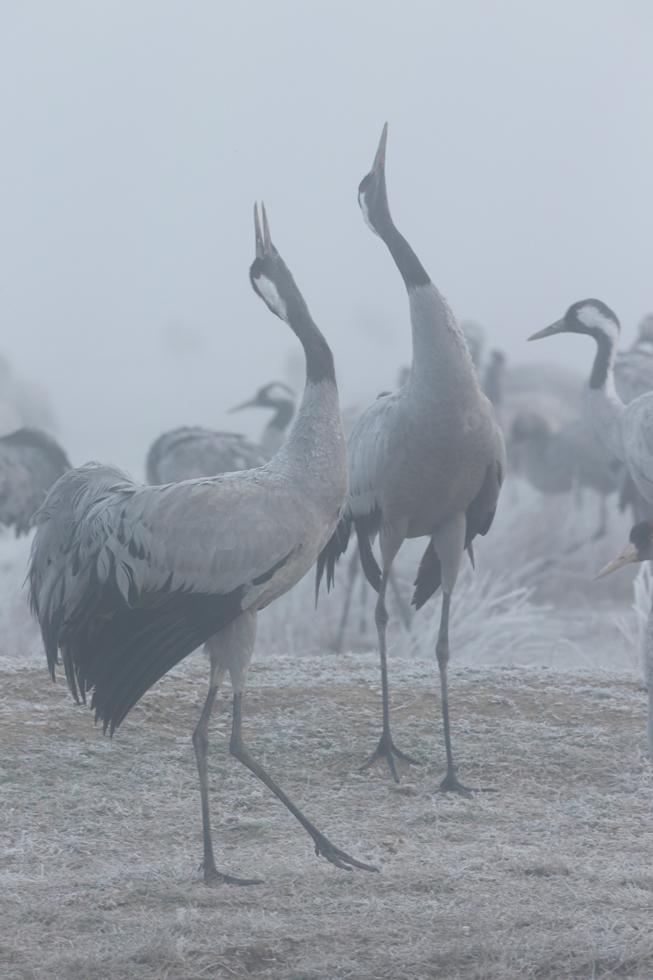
point(625, 430)
point(426, 460)
point(128, 580)
point(193, 451)
point(558, 462)
point(30, 462)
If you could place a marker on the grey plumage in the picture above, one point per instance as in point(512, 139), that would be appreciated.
point(30, 462)
point(557, 462)
point(633, 368)
point(427, 460)
point(127, 580)
point(194, 451)
point(626, 430)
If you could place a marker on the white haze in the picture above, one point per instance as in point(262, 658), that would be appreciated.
point(136, 136)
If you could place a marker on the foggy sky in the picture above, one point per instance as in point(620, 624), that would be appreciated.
point(136, 135)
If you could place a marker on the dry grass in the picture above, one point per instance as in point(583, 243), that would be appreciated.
point(548, 878)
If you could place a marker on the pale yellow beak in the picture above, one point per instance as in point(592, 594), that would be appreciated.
point(625, 557)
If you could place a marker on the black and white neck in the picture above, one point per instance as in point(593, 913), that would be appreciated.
point(598, 321)
point(373, 202)
point(440, 354)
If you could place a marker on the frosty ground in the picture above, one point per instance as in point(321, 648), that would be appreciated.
point(549, 876)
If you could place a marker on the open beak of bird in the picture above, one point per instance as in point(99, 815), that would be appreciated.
point(557, 327)
point(379, 160)
point(625, 557)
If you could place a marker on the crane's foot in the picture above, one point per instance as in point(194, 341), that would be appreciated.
point(450, 784)
point(324, 848)
point(386, 749)
point(214, 877)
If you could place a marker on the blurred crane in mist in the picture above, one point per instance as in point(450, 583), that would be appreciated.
point(573, 458)
point(633, 368)
point(30, 462)
point(128, 580)
point(626, 430)
point(193, 451)
point(23, 403)
point(427, 460)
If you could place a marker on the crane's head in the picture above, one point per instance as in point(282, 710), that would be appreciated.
point(639, 548)
point(372, 193)
point(272, 395)
point(268, 273)
point(589, 316)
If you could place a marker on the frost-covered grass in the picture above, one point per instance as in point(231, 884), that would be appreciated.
point(530, 600)
point(549, 877)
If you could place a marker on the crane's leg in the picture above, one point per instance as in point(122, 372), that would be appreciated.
point(323, 846)
point(450, 782)
point(386, 749)
point(449, 543)
point(400, 602)
point(201, 746)
point(362, 604)
point(352, 574)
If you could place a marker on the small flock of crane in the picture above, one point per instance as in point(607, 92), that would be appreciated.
point(127, 580)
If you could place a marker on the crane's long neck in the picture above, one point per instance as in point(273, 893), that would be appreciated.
point(605, 406)
point(315, 447)
point(441, 359)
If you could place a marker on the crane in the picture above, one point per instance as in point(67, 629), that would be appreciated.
point(193, 451)
point(625, 430)
point(426, 460)
point(30, 462)
point(128, 580)
point(557, 462)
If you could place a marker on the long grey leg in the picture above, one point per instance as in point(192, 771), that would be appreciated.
point(386, 749)
point(449, 543)
point(362, 606)
point(201, 746)
point(400, 602)
point(323, 846)
point(450, 781)
point(353, 570)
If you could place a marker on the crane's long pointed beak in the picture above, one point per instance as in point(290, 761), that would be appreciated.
point(557, 327)
point(379, 160)
point(237, 408)
point(625, 557)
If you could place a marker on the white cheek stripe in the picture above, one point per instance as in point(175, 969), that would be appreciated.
point(366, 214)
point(270, 294)
point(589, 316)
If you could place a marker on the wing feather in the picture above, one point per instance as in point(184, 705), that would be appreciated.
point(128, 580)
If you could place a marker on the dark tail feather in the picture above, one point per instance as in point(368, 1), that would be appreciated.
point(429, 577)
point(328, 557)
point(120, 658)
point(368, 561)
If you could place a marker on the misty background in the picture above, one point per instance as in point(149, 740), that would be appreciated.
point(136, 137)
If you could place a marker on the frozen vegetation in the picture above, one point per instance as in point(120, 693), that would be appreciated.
point(547, 877)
